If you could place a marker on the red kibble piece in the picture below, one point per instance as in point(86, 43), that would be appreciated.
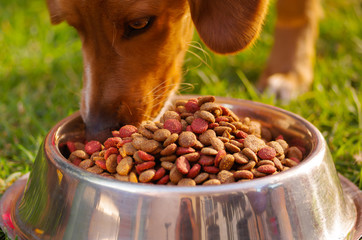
point(182, 165)
point(194, 171)
point(219, 156)
point(119, 158)
point(71, 146)
point(124, 141)
point(222, 119)
point(184, 150)
point(101, 164)
point(144, 166)
point(199, 125)
point(280, 137)
point(267, 169)
point(165, 179)
point(192, 106)
point(173, 125)
point(188, 128)
point(159, 174)
point(211, 169)
point(213, 125)
point(267, 153)
point(115, 133)
point(240, 140)
point(225, 111)
point(109, 151)
point(92, 147)
point(127, 131)
point(112, 142)
point(145, 156)
point(295, 159)
point(241, 134)
point(77, 161)
point(206, 160)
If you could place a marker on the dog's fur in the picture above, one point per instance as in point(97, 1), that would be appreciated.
point(133, 50)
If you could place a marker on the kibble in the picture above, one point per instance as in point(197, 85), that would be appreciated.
point(197, 142)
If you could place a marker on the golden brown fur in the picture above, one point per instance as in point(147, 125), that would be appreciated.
point(130, 71)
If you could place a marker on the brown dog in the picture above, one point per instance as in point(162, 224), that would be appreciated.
point(133, 50)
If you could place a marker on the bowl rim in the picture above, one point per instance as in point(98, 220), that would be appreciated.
point(313, 158)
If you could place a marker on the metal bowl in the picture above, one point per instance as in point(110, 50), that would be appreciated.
point(61, 201)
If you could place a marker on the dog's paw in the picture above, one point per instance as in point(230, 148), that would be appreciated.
point(285, 86)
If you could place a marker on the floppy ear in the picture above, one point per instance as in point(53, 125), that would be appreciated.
point(228, 26)
point(55, 12)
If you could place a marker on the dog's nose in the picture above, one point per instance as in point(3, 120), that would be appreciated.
point(99, 127)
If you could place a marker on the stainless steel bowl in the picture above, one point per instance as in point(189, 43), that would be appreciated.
point(62, 201)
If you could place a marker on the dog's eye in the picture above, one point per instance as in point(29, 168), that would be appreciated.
point(139, 23)
point(137, 26)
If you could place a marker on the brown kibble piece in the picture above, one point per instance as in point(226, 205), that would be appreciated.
point(250, 154)
point(95, 169)
point(232, 148)
point(227, 162)
point(225, 177)
point(87, 163)
point(207, 116)
point(150, 145)
point(254, 143)
point(201, 177)
point(277, 147)
point(171, 139)
point(161, 135)
point(205, 138)
point(147, 175)
point(175, 175)
point(187, 139)
point(278, 164)
point(111, 163)
point(169, 150)
point(170, 115)
point(78, 154)
point(212, 182)
point(205, 99)
point(186, 182)
point(209, 151)
point(217, 143)
point(124, 166)
point(294, 152)
point(167, 165)
point(240, 158)
point(243, 174)
point(248, 166)
point(283, 144)
point(192, 157)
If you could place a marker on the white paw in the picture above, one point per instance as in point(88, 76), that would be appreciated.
point(285, 86)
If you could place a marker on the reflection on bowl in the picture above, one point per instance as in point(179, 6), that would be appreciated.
point(62, 201)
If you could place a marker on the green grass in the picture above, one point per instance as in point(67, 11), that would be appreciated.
point(41, 66)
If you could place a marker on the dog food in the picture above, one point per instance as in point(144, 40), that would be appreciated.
point(198, 142)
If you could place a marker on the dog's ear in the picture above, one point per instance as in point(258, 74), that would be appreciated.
point(228, 26)
point(55, 12)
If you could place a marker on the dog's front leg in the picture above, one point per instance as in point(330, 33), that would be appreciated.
point(289, 70)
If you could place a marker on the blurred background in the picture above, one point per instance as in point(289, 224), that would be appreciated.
point(41, 71)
